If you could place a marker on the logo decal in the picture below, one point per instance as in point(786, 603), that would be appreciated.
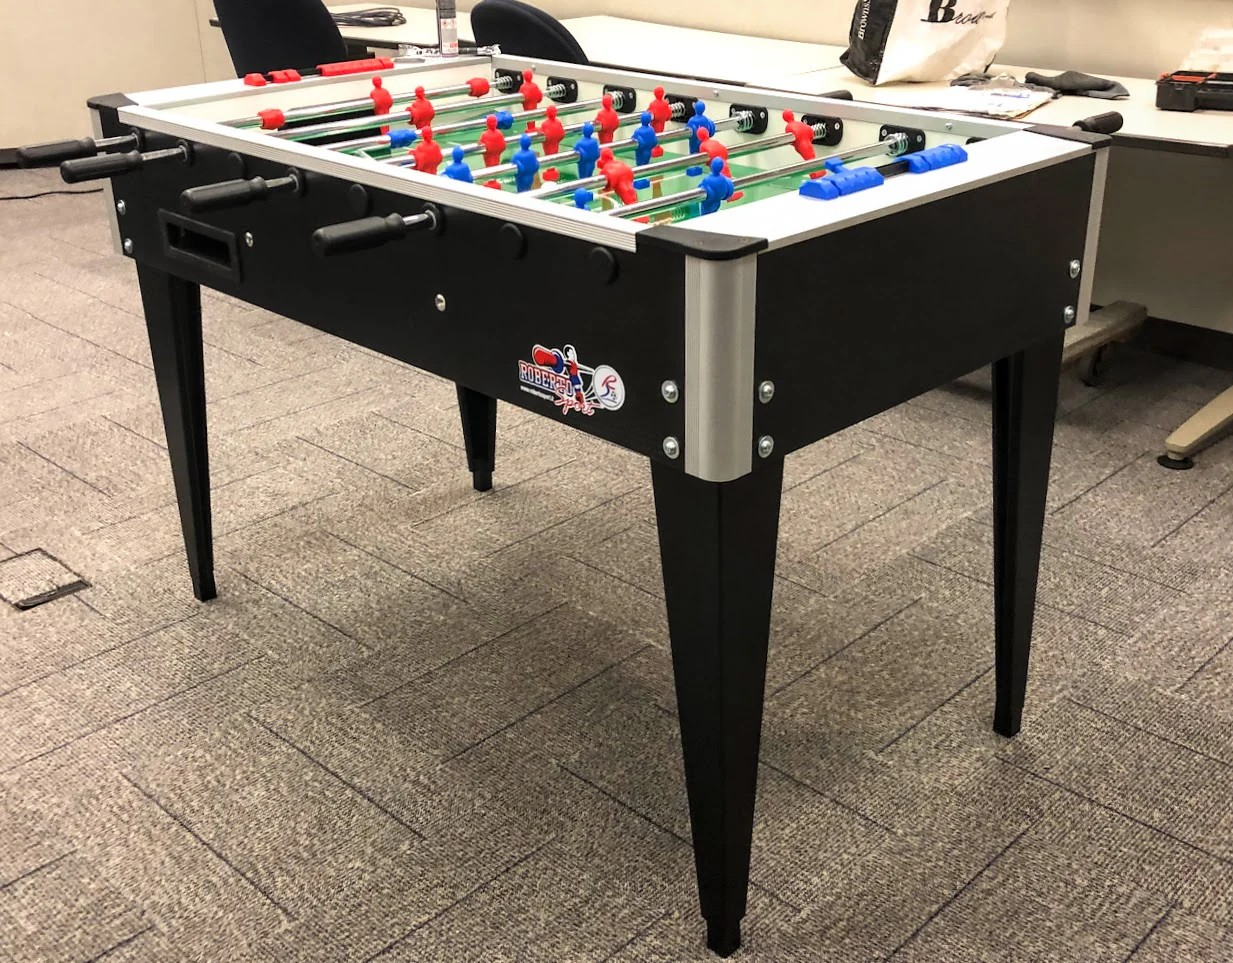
point(555, 374)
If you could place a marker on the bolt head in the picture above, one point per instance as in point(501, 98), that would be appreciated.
point(121, 207)
point(439, 301)
point(670, 392)
point(766, 445)
point(766, 391)
point(1075, 268)
point(128, 245)
point(1070, 314)
point(672, 447)
point(248, 238)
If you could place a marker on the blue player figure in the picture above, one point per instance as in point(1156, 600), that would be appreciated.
point(526, 164)
point(645, 139)
point(587, 149)
point(718, 188)
point(458, 170)
point(697, 121)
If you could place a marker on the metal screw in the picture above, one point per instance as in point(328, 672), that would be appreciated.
point(248, 238)
point(1070, 314)
point(128, 245)
point(670, 392)
point(1075, 268)
point(766, 391)
point(949, 125)
point(121, 207)
point(439, 301)
point(672, 447)
point(766, 445)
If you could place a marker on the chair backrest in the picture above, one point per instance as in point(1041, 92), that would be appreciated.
point(264, 35)
point(522, 29)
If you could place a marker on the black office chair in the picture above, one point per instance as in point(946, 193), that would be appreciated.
point(264, 35)
point(520, 28)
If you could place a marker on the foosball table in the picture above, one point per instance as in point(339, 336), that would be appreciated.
point(735, 273)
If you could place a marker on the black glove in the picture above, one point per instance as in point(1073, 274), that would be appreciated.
point(1083, 85)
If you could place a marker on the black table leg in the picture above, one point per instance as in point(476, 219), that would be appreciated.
point(173, 319)
point(479, 434)
point(717, 542)
point(1025, 389)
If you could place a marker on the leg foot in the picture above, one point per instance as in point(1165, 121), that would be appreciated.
point(717, 542)
point(723, 938)
point(173, 320)
point(1024, 407)
point(1175, 464)
point(479, 435)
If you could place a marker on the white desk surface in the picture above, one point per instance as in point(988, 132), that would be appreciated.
point(1203, 131)
point(639, 45)
point(634, 44)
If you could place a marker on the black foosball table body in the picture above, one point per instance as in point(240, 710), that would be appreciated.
point(713, 345)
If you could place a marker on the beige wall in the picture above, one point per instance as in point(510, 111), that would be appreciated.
point(54, 56)
point(140, 44)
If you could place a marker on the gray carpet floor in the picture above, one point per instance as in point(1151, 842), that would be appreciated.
point(425, 724)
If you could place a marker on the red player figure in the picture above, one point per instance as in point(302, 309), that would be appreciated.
point(713, 148)
point(606, 121)
point(661, 112)
point(531, 94)
point(427, 153)
point(493, 142)
point(382, 99)
point(802, 133)
point(619, 174)
point(553, 130)
point(422, 110)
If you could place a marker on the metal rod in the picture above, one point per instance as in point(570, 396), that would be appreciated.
point(360, 103)
point(564, 157)
point(893, 145)
point(672, 163)
point(481, 104)
point(381, 140)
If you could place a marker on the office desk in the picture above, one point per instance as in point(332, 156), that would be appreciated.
point(632, 44)
point(1166, 232)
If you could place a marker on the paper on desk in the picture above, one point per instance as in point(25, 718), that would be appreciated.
point(1003, 103)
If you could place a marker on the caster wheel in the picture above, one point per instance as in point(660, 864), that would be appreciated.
point(1175, 464)
point(1094, 367)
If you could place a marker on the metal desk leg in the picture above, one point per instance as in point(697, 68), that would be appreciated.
point(1024, 409)
point(717, 542)
point(1114, 322)
point(173, 320)
point(1199, 431)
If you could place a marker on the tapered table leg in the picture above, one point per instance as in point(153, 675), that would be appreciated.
point(479, 434)
point(717, 542)
point(173, 319)
point(1025, 389)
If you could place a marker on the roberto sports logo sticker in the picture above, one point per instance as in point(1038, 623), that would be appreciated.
point(555, 374)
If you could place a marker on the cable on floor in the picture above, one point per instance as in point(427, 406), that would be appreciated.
point(30, 197)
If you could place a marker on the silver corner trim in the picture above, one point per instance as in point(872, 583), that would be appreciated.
point(720, 299)
point(1088, 259)
point(113, 221)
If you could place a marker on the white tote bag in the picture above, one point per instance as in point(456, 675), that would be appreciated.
point(924, 40)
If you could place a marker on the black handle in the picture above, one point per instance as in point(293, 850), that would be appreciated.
point(370, 232)
point(55, 152)
point(1109, 123)
point(211, 197)
point(837, 95)
point(104, 165)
